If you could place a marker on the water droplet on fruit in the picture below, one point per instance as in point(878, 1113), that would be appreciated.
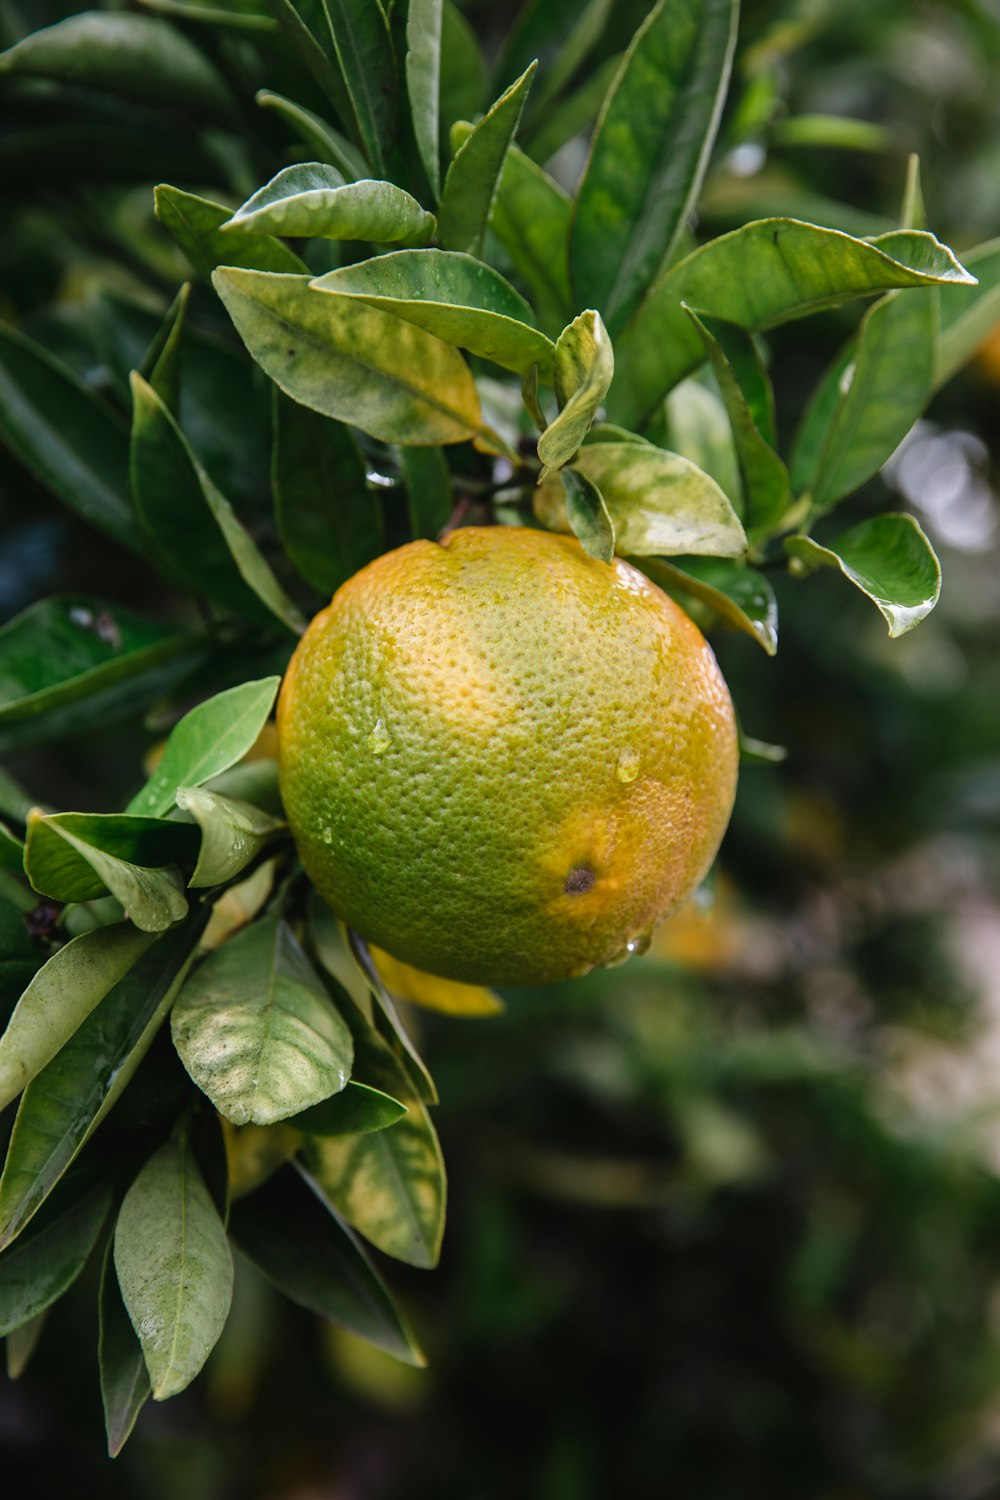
point(627, 768)
point(328, 834)
point(380, 739)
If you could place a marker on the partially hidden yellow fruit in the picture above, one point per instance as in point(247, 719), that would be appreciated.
point(502, 760)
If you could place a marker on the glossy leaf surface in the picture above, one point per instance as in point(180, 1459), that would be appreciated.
point(739, 595)
point(37, 1270)
point(312, 198)
point(174, 1267)
point(351, 361)
point(888, 558)
point(588, 515)
point(583, 368)
point(424, 22)
point(474, 174)
point(77, 856)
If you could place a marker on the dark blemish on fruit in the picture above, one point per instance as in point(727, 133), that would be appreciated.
point(579, 880)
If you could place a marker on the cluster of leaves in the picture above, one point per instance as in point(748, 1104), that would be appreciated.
point(644, 424)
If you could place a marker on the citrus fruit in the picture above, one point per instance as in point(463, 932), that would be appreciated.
point(503, 760)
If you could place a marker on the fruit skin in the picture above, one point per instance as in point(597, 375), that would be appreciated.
point(503, 760)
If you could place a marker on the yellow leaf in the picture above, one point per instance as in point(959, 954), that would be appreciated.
point(434, 993)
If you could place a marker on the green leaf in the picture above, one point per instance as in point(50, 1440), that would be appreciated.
point(588, 515)
point(329, 522)
point(888, 558)
point(423, 84)
point(415, 1069)
point(135, 56)
point(60, 997)
point(574, 115)
point(124, 1377)
point(311, 1256)
point(367, 63)
point(352, 362)
point(72, 443)
point(869, 398)
point(740, 595)
point(649, 152)
point(174, 1267)
point(530, 218)
point(232, 833)
point(699, 428)
point(659, 502)
point(77, 856)
point(196, 225)
point(206, 742)
point(473, 176)
point(11, 850)
point(429, 496)
point(757, 277)
point(161, 364)
point(463, 71)
point(241, 16)
point(307, 28)
point(454, 297)
point(969, 315)
point(583, 367)
point(195, 533)
point(766, 494)
point(256, 1031)
point(312, 198)
point(357, 1109)
point(35, 1273)
point(560, 34)
point(835, 131)
point(65, 1103)
point(390, 1184)
point(318, 136)
point(71, 661)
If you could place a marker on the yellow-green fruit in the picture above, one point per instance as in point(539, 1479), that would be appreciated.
point(503, 760)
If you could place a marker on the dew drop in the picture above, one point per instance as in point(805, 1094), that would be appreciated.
point(627, 767)
point(328, 834)
point(380, 739)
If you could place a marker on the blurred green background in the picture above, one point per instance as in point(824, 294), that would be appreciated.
point(725, 1222)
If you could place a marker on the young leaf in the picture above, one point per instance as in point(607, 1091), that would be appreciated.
point(232, 833)
point(869, 398)
point(588, 515)
point(124, 1377)
point(69, 1098)
point(135, 56)
point(45, 1264)
point(77, 856)
point(60, 997)
point(311, 1256)
point(312, 198)
point(231, 15)
point(196, 225)
point(72, 661)
point(453, 296)
point(649, 152)
point(329, 522)
point(969, 315)
point(390, 1184)
point(206, 742)
point(583, 367)
point(474, 174)
point(742, 596)
point(352, 362)
point(174, 1267)
point(67, 437)
point(888, 558)
point(766, 494)
point(423, 84)
point(161, 364)
point(756, 277)
point(256, 1031)
point(530, 218)
point(367, 63)
point(318, 136)
point(658, 502)
point(357, 1109)
point(21, 1344)
point(195, 533)
point(428, 491)
point(449, 996)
